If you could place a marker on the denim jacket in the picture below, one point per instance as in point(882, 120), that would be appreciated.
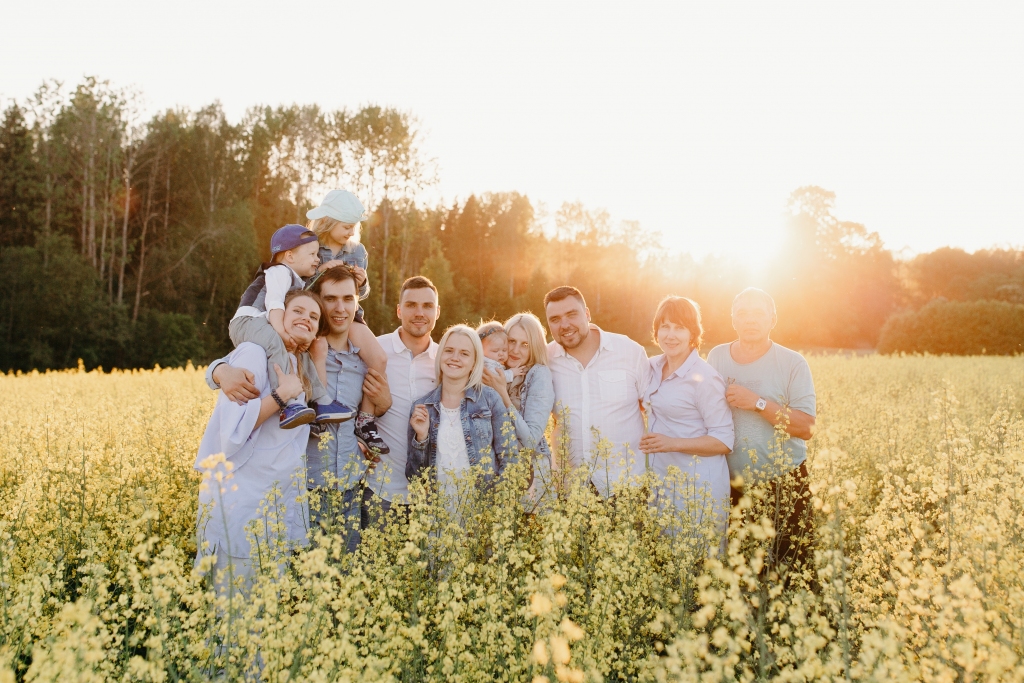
point(485, 424)
point(538, 399)
point(350, 255)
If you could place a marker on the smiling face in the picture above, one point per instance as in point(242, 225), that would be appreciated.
point(518, 347)
point(569, 321)
point(674, 339)
point(457, 358)
point(418, 311)
point(302, 318)
point(303, 259)
point(496, 347)
point(340, 299)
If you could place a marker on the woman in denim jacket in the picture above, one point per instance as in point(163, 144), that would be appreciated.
point(530, 396)
point(461, 423)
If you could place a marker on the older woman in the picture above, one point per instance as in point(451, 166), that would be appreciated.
point(690, 423)
point(461, 423)
point(251, 459)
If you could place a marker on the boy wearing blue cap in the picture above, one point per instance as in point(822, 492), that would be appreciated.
point(260, 320)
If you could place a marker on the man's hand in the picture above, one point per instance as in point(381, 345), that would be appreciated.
point(741, 397)
point(375, 388)
point(656, 443)
point(371, 457)
point(236, 383)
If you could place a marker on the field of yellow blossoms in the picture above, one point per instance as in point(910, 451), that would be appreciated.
point(918, 481)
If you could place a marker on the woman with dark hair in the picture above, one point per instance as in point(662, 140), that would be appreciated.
point(689, 421)
point(254, 465)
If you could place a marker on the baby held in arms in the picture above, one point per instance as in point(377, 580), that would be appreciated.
point(495, 343)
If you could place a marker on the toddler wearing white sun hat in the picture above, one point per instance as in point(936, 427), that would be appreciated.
point(336, 224)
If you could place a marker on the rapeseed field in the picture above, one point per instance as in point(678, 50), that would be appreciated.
point(917, 472)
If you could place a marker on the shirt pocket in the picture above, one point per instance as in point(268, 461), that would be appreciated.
point(612, 384)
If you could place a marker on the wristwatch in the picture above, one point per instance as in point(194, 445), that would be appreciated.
point(760, 405)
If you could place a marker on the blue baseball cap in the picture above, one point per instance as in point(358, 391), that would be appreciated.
point(289, 237)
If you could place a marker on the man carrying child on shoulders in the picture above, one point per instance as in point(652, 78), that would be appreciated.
point(336, 467)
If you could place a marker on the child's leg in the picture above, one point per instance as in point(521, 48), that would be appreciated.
point(259, 331)
point(371, 353)
point(317, 391)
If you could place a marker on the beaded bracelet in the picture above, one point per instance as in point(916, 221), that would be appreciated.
point(273, 393)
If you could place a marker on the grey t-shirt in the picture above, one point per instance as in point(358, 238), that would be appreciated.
point(781, 375)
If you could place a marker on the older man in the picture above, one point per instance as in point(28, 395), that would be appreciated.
point(771, 394)
point(599, 378)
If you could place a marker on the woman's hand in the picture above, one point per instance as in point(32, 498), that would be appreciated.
point(496, 381)
point(420, 422)
point(289, 386)
point(657, 443)
point(330, 264)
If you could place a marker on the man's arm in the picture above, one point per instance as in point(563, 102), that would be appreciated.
point(375, 388)
point(798, 423)
point(238, 384)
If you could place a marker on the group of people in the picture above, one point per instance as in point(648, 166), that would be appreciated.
point(478, 398)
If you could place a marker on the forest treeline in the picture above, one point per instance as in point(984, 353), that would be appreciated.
point(127, 240)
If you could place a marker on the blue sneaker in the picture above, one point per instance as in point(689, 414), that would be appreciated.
point(333, 413)
point(295, 415)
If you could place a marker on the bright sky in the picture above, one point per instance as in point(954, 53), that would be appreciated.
point(696, 119)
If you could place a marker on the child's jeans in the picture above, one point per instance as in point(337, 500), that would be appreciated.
point(259, 331)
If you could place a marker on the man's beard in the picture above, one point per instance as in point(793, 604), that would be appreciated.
point(580, 338)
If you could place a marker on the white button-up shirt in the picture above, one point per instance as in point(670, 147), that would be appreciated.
point(409, 378)
point(605, 395)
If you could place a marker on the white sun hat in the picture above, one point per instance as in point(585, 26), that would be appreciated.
point(341, 205)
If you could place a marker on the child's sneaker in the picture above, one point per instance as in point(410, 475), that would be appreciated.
point(295, 415)
point(367, 434)
point(333, 413)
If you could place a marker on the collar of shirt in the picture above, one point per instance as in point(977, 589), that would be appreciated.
point(658, 364)
point(399, 346)
point(558, 351)
point(351, 350)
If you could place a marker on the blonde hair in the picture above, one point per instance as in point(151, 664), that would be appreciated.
point(321, 226)
point(488, 328)
point(476, 375)
point(534, 336)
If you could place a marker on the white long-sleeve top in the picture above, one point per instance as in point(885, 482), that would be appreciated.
point(260, 457)
point(604, 395)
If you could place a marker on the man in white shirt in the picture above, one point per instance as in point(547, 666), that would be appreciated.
point(599, 378)
point(411, 375)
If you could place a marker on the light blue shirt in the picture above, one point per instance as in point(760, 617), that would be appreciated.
point(781, 375)
point(341, 455)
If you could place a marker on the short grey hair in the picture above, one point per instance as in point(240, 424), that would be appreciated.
point(759, 294)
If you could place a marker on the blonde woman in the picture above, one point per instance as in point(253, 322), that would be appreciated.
point(530, 396)
point(336, 224)
point(461, 423)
